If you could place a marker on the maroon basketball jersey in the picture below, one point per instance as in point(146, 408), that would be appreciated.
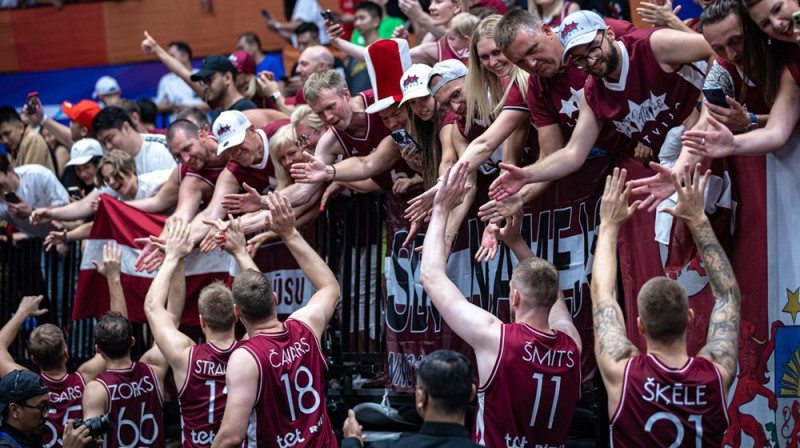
point(445, 51)
point(532, 391)
point(516, 101)
point(753, 99)
point(207, 175)
point(258, 177)
point(204, 394)
point(135, 403)
point(65, 404)
point(557, 100)
point(647, 101)
point(661, 406)
point(290, 409)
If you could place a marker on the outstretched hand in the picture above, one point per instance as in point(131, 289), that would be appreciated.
point(691, 202)
point(247, 202)
point(716, 143)
point(489, 244)
point(310, 171)
point(614, 208)
point(281, 217)
point(454, 187)
point(508, 183)
point(177, 244)
point(151, 257)
point(112, 259)
point(29, 306)
point(658, 187)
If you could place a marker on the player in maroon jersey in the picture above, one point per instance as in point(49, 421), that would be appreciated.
point(529, 369)
point(645, 83)
point(130, 391)
point(280, 371)
point(198, 369)
point(664, 397)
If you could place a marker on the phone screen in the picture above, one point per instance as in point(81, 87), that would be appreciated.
point(716, 96)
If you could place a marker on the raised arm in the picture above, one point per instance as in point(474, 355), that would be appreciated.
point(150, 46)
point(110, 269)
point(166, 197)
point(351, 169)
point(29, 306)
point(226, 184)
point(723, 327)
point(477, 327)
point(320, 308)
point(480, 149)
point(674, 48)
point(230, 238)
point(172, 343)
point(612, 347)
point(242, 381)
point(70, 212)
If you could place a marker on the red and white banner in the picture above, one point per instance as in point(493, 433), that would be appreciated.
point(122, 223)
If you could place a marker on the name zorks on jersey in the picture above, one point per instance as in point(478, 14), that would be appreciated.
point(289, 354)
point(674, 394)
point(549, 357)
point(124, 391)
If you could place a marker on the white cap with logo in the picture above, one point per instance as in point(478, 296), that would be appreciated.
point(579, 28)
point(414, 82)
point(83, 151)
point(230, 128)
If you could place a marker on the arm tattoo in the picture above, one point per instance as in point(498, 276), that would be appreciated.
point(609, 331)
point(723, 328)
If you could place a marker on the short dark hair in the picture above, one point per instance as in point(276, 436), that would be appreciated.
point(194, 115)
point(373, 9)
point(215, 305)
point(111, 117)
point(511, 23)
point(716, 12)
point(664, 309)
point(148, 111)
point(5, 164)
point(251, 38)
point(183, 47)
point(9, 115)
point(252, 292)
point(307, 27)
point(447, 377)
point(113, 333)
point(129, 106)
point(184, 125)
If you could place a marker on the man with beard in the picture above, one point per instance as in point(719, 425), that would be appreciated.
point(24, 402)
point(646, 83)
point(218, 77)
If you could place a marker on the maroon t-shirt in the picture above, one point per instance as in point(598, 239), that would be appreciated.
point(532, 391)
point(445, 52)
point(661, 406)
point(66, 396)
point(647, 101)
point(135, 402)
point(207, 175)
point(262, 179)
point(557, 100)
point(290, 403)
point(204, 393)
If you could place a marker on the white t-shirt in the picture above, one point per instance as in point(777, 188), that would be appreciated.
point(172, 89)
point(149, 184)
point(38, 187)
point(154, 155)
point(310, 11)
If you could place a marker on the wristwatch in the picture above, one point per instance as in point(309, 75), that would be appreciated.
point(753, 123)
point(275, 96)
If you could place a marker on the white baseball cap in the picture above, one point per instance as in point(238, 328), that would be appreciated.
point(83, 151)
point(414, 82)
point(579, 28)
point(230, 128)
point(106, 85)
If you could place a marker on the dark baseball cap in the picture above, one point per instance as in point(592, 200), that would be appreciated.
point(213, 64)
point(19, 385)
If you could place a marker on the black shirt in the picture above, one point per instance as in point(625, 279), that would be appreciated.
point(15, 438)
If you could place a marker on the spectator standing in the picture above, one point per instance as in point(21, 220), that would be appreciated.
point(24, 145)
point(107, 91)
point(173, 94)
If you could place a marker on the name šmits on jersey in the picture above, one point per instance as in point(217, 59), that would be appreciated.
point(674, 394)
point(548, 357)
point(289, 354)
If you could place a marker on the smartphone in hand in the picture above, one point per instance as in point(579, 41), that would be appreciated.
point(716, 96)
point(404, 139)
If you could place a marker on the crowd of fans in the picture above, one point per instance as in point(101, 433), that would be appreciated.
point(516, 98)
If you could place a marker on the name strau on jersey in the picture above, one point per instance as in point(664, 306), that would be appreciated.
point(289, 354)
point(72, 393)
point(640, 114)
point(550, 358)
point(209, 368)
point(674, 394)
point(522, 441)
point(203, 437)
point(124, 391)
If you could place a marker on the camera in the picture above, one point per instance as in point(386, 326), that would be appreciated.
point(98, 426)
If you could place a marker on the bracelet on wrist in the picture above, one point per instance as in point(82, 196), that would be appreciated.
point(333, 171)
point(66, 236)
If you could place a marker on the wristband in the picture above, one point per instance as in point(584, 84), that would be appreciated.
point(753, 123)
point(333, 169)
point(275, 96)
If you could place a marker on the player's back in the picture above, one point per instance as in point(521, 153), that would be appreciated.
point(663, 406)
point(532, 391)
point(136, 405)
point(204, 394)
point(66, 395)
point(290, 408)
